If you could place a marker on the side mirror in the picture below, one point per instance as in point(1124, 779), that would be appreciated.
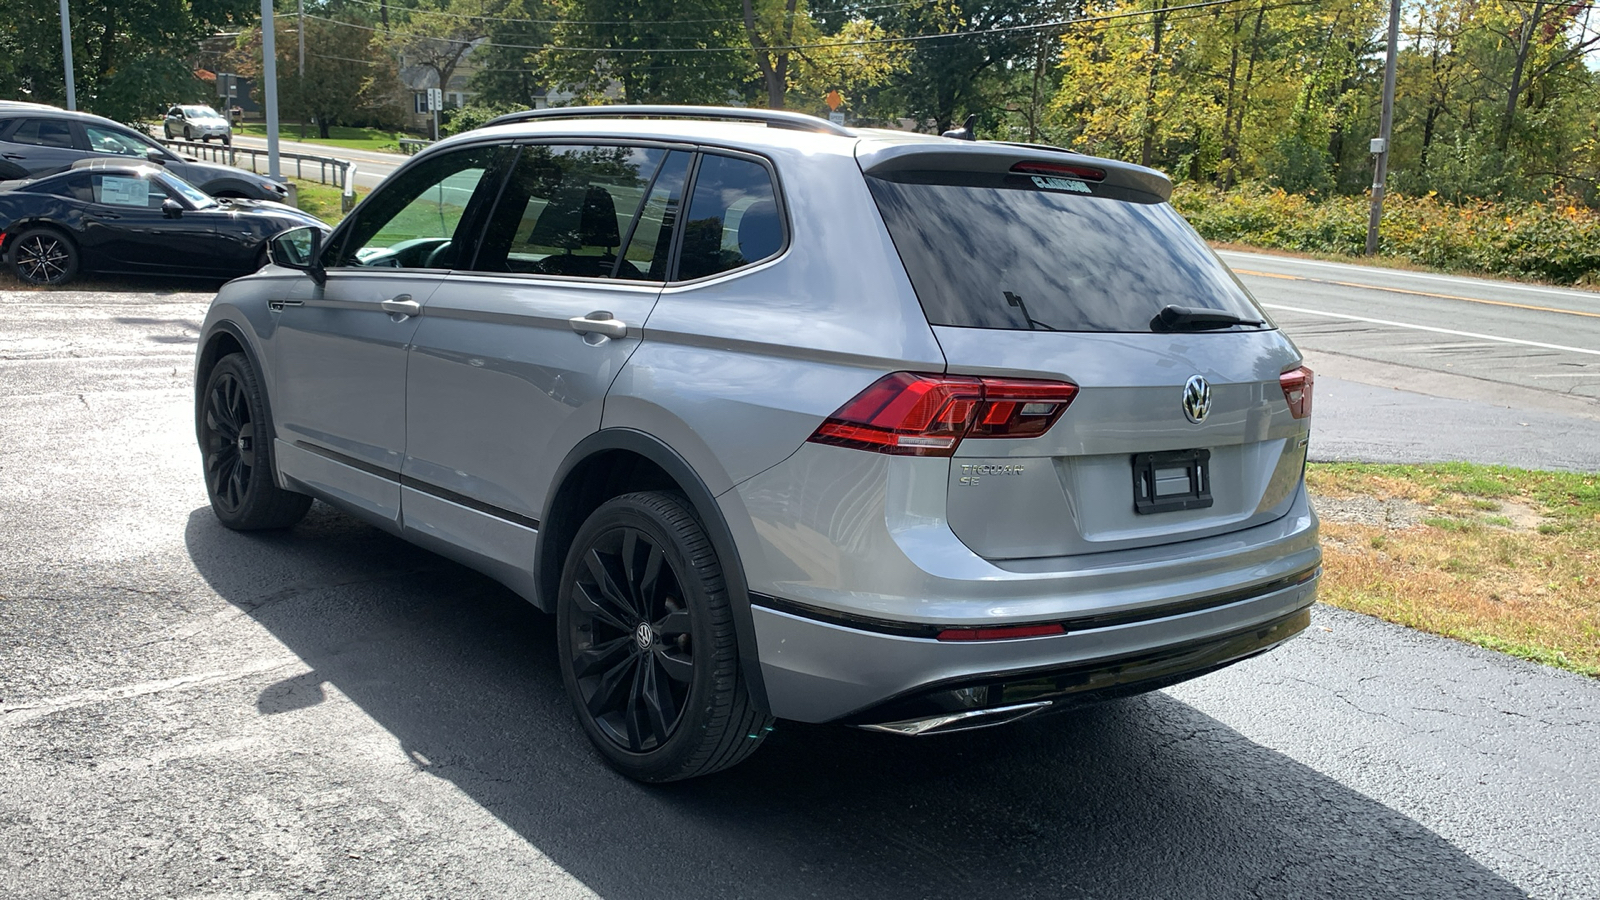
point(299, 248)
point(171, 208)
point(156, 155)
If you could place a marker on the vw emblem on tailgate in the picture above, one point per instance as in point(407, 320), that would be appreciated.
point(1196, 399)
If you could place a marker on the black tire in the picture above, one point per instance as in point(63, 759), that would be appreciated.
point(44, 256)
point(646, 643)
point(235, 433)
point(188, 134)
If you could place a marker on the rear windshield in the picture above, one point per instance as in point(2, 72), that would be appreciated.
point(1048, 254)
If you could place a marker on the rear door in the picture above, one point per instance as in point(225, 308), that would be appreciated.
point(511, 364)
point(41, 145)
point(339, 348)
point(1061, 271)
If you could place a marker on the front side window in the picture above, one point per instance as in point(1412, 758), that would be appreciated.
point(43, 133)
point(588, 211)
point(197, 198)
point(415, 221)
point(127, 190)
point(733, 218)
point(105, 140)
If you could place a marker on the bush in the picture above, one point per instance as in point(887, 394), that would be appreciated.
point(1557, 240)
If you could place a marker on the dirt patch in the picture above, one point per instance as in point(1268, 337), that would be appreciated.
point(1383, 512)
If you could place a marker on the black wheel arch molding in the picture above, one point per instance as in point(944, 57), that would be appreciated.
point(550, 553)
point(211, 350)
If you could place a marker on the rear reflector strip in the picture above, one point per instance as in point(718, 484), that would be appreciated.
point(1002, 633)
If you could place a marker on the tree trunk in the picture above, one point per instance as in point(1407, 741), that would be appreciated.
point(1147, 143)
point(1524, 46)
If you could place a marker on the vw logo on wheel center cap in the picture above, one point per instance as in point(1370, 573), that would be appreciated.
point(643, 635)
point(1196, 399)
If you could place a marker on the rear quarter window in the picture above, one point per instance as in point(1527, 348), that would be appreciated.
point(733, 218)
point(1004, 251)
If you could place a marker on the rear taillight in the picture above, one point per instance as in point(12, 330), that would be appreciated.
point(1297, 384)
point(908, 414)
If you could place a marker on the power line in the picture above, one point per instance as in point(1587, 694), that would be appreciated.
point(1061, 25)
point(518, 20)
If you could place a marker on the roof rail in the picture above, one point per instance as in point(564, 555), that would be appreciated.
point(773, 118)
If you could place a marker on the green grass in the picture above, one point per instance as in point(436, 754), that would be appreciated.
point(1507, 559)
point(322, 200)
point(339, 136)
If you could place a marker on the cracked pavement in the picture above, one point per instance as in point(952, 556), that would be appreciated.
point(189, 712)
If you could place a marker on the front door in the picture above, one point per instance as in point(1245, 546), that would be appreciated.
point(503, 381)
point(339, 348)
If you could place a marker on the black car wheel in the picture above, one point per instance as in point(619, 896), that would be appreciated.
point(236, 443)
point(647, 644)
point(44, 256)
point(187, 134)
point(167, 130)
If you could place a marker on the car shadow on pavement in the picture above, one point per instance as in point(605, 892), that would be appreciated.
point(1141, 798)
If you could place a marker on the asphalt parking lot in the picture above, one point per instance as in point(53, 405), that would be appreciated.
point(190, 712)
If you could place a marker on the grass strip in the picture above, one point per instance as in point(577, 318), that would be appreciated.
point(338, 136)
point(322, 200)
point(1505, 558)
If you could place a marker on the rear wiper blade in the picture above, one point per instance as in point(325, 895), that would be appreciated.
point(1196, 318)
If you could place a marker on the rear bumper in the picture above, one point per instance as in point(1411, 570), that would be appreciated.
point(827, 671)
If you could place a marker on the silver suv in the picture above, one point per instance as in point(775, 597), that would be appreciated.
point(786, 420)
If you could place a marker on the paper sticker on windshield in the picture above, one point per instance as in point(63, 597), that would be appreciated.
point(124, 191)
point(1060, 184)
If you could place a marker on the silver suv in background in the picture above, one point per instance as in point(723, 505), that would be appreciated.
point(786, 420)
point(196, 123)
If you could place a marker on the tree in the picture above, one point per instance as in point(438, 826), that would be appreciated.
point(650, 51)
point(129, 55)
point(793, 49)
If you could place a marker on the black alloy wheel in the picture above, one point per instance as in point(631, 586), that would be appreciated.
point(231, 462)
point(648, 651)
point(632, 644)
point(44, 256)
point(235, 442)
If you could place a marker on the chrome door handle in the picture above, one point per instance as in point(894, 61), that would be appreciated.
point(402, 305)
point(599, 322)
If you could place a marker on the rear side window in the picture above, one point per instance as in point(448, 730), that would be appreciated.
point(1006, 252)
point(43, 133)
point(733, 218)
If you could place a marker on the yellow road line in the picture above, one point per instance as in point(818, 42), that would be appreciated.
point(1395, 290)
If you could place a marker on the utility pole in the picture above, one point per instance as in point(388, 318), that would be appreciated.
point(66, 55)
point(300, 32)
point(269, 85)
point(1380, 144)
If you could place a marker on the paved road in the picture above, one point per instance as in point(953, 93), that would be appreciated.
point(1417, 367)
point(190, 712)
point(371, 167)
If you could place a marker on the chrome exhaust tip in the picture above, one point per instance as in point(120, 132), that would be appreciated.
point(960, 721)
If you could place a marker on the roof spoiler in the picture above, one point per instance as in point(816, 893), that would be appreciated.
point(999, 157)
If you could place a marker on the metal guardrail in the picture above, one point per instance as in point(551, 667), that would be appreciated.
point(410, 146)
point(340, 173)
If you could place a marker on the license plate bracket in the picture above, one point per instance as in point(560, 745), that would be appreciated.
point(1171, 480)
